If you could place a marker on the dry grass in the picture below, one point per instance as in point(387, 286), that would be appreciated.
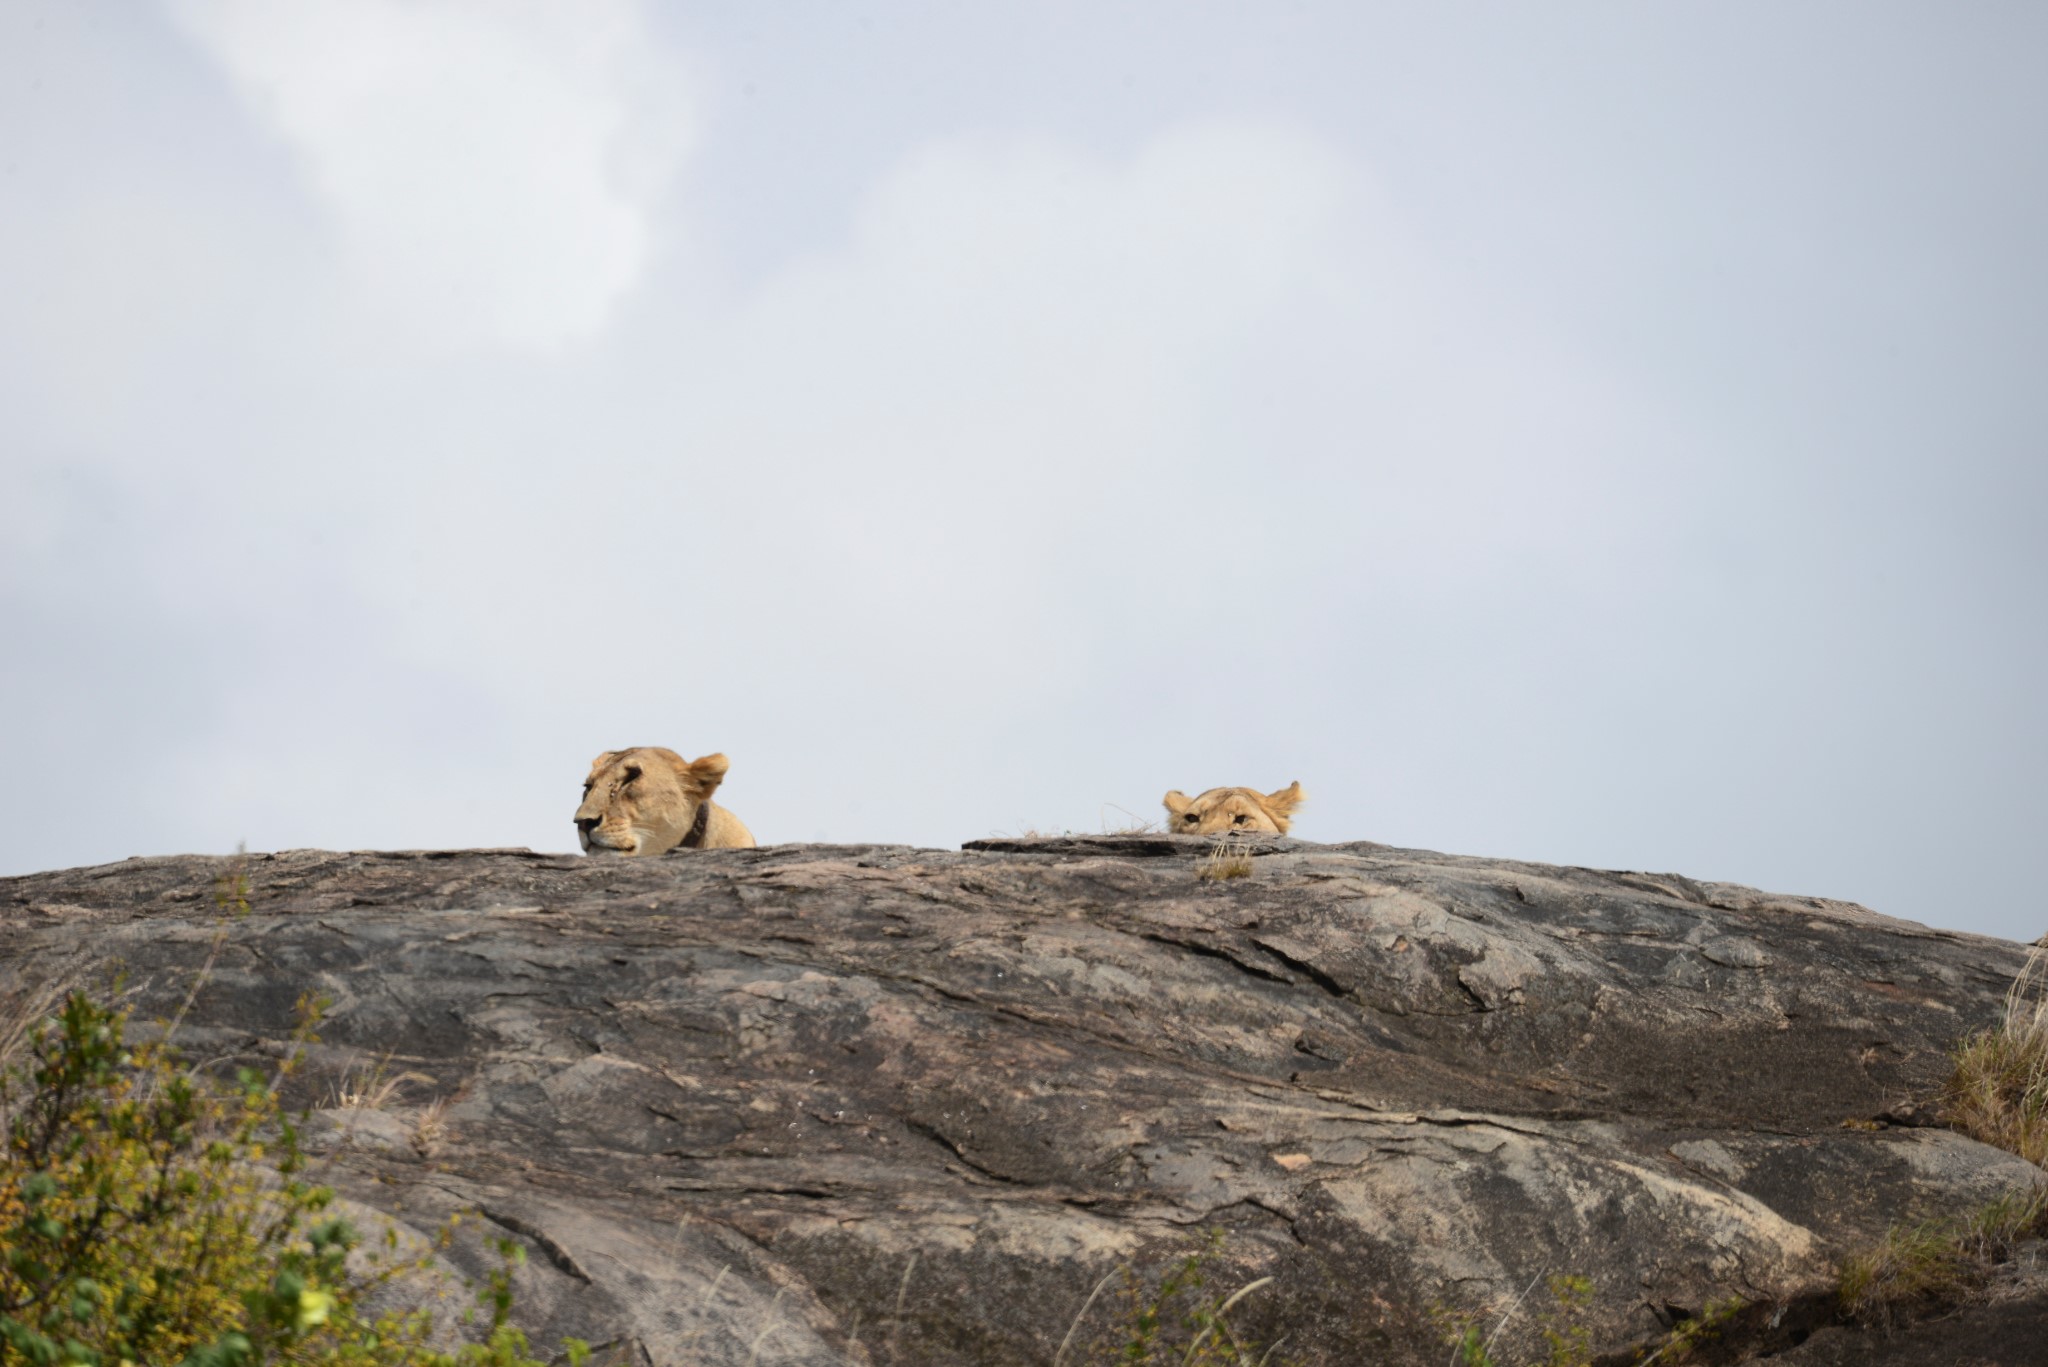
point(1177, 1321)
point(1997, 1093)
point(1999, 1090)
point(1228, 860)
point(379, 1090)
point(21, 1013)
point(430, 1128)
point(1131, 824)
point(1943, 1261)
point(373, 1091)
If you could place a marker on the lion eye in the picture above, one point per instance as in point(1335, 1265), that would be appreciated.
point(632, 772)
point(1240, 819)
point(1189, 817)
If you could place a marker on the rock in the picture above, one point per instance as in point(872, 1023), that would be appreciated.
point(1735, 953)
point(1911, 1111)
point(1710, 1156)
point(328, 1130)
point(872, 1104)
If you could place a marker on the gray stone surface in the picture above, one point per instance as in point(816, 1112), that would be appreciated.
point(872, 1104)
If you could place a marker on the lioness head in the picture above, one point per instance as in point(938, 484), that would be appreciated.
point(644, 800)
point(1239, 811)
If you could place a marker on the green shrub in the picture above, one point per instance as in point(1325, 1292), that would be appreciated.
point(150, 1216)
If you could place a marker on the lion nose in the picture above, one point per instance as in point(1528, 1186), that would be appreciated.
point(586, 824)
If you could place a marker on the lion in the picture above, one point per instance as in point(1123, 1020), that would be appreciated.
point(648, 800)
point(1232, 811)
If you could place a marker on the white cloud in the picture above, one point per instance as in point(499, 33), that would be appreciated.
point(492, 166)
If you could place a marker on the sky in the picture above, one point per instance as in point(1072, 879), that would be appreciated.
point(1595, 433)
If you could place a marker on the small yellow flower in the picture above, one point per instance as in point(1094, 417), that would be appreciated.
point(313, 1307)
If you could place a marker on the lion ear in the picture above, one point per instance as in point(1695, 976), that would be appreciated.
point(1286, 800)
point(1177, 802)
point(706, 774)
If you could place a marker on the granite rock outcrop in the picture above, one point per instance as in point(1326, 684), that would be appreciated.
point(813, 1104)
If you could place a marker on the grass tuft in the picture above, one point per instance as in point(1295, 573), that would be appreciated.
point(1566, 1337)
point(1131, 824)
point(430, 1128)
point(1998, 1092)
point(374, 1090)
point(1228, 860)
point(1180, 1321)
point(1942, 1261)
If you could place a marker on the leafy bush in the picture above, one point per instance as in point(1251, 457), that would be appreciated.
point(148, 1215)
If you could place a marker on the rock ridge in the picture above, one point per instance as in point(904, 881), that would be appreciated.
point(831, 1104)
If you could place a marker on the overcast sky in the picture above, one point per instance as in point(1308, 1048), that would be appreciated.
point(1606, 434)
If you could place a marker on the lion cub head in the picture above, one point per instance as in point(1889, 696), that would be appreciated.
point(648, 800)
point(1232, 811)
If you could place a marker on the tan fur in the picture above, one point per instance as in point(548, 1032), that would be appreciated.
point(645, 801)
point(1232, 811)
